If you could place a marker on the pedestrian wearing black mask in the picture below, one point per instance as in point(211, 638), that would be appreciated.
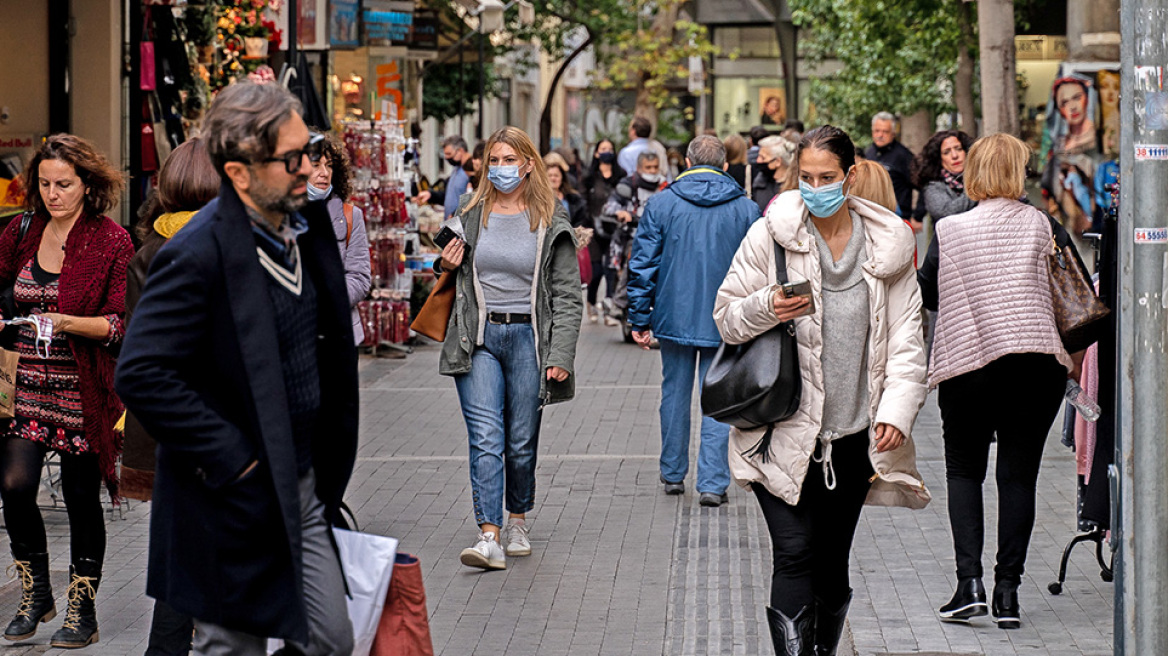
point(775, 158)
point(602, 178)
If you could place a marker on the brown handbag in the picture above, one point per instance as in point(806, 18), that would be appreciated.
point(434, 316)
point(1080, 315)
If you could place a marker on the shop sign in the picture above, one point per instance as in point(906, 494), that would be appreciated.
point(16, 142)
point(389, 24)
point(424, 34)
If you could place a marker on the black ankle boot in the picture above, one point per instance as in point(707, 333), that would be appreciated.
point(829, 625)
point(969, 600)
point(36, 598)
point(1006, 611)
point(80, 627)
point(792, 637)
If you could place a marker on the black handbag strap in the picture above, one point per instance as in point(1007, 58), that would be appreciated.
point(780, 263)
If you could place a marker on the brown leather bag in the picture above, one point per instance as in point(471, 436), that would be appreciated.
point(1080, 315)
point(434, 316)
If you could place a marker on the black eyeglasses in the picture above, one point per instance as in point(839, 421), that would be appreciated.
point(314, 149)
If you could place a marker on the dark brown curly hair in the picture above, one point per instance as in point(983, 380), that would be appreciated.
point(926, 166)
point(103, 183)
point(338, 158)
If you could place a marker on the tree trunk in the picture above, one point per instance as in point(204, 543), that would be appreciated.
point(999, 86)
point(663, 24)
point(545, 118)
point(963, 79)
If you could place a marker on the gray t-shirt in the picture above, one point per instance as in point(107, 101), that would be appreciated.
point(505, 260)
point(845, 334)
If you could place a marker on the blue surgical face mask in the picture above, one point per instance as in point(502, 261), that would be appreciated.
point(823, 201)
point(319, 194)
point(505, 178)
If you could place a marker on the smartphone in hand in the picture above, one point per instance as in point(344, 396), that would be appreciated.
point(794, 288)
point(444, 236)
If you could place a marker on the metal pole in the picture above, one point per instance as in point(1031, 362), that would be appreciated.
point(292, 32)
point(1142, 435)
point(482, 88)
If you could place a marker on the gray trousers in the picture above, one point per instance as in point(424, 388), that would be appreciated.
point(329, 631)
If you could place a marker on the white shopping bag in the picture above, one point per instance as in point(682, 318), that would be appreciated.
point(367, 561)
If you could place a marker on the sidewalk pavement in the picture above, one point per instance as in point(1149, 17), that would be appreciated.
point(618, 567)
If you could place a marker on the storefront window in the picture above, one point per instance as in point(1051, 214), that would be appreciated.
point(743, 102)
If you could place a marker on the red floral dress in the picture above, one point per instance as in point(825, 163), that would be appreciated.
point(48, 390)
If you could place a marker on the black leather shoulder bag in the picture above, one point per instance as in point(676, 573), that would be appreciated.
point(757, 383)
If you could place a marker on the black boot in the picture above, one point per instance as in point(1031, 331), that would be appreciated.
point(80, 627)
point(36, 598)
point(969, 600)
point(1006, 611)
point(792, 637)
point(829, 626)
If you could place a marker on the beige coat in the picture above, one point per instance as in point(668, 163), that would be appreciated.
point(896, 353)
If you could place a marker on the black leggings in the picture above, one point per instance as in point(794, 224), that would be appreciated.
point(812, 540)
point(21, 461)
point(1017, 397)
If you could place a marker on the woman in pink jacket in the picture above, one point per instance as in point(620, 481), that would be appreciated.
point(999, 366)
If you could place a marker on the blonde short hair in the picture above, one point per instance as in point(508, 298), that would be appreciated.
point(871, 182)
point(996, 168)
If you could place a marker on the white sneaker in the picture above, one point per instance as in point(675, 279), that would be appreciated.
point(517, 542)
point(486, 554)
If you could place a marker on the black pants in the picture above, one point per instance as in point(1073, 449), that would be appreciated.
point(170, 632)
point(20, 475)
point(1017, 397)
point(812, 540)
point(601, 271)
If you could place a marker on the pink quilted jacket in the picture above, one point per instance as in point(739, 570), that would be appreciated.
point(993, 289)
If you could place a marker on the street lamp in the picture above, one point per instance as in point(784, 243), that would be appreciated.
point(490, 16)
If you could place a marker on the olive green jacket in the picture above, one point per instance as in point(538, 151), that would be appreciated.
point(556, 304)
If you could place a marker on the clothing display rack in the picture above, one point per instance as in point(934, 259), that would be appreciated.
point(1094, 491)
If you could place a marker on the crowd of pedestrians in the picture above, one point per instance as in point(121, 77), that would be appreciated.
point(238, 370)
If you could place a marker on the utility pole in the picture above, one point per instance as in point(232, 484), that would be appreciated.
point(1141, 607)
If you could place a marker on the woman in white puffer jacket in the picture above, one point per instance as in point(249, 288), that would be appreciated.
point(862, 362)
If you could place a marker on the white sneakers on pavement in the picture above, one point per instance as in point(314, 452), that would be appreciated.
point(486, 554)
point(515, 537)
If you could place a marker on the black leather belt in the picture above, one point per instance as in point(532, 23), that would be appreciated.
point(508, 317)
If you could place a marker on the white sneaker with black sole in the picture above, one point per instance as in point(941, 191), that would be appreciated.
point(517, 541)
point(486, 554)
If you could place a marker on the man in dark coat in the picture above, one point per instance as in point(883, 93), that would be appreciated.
point(685, 242)
point(240, 362)
point(895, 158)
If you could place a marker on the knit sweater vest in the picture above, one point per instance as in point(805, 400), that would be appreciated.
point(845, 333)
point(993, 289)
point(296, 327)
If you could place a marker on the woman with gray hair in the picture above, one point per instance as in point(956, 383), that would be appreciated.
point(775, 156)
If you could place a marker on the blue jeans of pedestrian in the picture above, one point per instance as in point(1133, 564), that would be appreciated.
point(501, 406)
point(677, 367)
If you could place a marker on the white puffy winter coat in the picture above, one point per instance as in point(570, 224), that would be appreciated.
point(896, 353)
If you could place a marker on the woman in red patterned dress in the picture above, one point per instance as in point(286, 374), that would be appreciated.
point(66, 263)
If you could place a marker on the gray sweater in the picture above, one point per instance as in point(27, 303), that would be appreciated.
point(505, 260)
point(941, 200)
point(845, 334)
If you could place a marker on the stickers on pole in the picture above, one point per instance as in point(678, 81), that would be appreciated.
point(1152, 235)
point(1151, 152)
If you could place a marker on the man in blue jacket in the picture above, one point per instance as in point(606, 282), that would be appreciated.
point(684, 245)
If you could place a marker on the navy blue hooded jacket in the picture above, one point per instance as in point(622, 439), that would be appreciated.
point(688, 235)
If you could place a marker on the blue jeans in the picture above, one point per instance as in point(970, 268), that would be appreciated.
point(501, 406)
point(677, 385)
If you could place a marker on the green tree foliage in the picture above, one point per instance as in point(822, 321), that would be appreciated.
point(638, 44)
point(452, 90)
point(895, 53)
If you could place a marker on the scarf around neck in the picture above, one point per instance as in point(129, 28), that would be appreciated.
point(956, 181)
